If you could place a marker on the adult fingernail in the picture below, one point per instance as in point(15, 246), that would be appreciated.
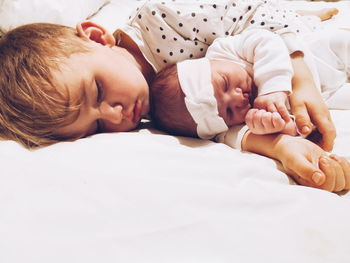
point(318, 178)
point(305, 130)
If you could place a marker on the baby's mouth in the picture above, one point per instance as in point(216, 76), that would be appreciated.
point(245, 104)
point(246, 99)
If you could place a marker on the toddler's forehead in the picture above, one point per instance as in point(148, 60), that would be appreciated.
point(70, 88)
point(71, 78)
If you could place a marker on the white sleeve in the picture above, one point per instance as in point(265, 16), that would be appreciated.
point(233, 136)
point(293, 42)
point(262, 53)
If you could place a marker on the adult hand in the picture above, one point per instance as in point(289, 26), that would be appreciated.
point(309, 109)
point(308, 106)
point(309, 165)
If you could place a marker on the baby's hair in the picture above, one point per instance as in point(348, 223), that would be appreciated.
point(168, 108)
point(31, 106)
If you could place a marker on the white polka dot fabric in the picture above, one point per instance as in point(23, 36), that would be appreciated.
point(174, 30)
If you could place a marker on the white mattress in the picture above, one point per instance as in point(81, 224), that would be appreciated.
point(145, 196)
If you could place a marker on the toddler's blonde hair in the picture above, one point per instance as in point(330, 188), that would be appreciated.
point(31, 106)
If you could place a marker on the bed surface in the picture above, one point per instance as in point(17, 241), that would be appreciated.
point(145, 196)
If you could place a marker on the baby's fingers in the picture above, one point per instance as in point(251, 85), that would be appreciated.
point(339, 177)
point(250, 117)
point(328, 170)
point(266, 119)
point(282, 110)
point(271, 108)
point(345, 165)
point(277, 121)
point(334, 176)
point(258, 120)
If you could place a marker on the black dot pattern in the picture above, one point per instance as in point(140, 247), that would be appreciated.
point(173, 31)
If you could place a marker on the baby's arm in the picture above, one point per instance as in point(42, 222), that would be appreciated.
point(305, 161)
point(262, 53)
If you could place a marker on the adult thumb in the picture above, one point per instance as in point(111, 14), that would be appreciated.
point(303, 123)
point(308, 174)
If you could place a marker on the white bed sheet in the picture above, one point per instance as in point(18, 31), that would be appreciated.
point(145, 196)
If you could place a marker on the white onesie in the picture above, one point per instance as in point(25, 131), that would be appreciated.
point(265, 57)
point(327, 53)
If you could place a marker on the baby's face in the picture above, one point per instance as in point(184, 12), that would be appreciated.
point(114, 93)
point(232, 89)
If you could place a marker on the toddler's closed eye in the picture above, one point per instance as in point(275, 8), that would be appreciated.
point(98, 91)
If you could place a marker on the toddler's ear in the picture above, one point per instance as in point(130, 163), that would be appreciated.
point(95, 32)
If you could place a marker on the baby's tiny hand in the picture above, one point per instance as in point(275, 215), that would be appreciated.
point(263, 122)
point(273, 102)
point(290, 128)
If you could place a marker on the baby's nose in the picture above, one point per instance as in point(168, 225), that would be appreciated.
point(237, 98)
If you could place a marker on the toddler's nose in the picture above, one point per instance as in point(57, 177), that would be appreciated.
point(110, 113)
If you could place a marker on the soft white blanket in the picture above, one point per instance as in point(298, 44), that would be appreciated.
point(145, 196)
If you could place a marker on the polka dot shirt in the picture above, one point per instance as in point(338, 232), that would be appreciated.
point(168, 31)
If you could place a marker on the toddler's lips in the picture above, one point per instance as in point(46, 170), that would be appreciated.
point(137, 112)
